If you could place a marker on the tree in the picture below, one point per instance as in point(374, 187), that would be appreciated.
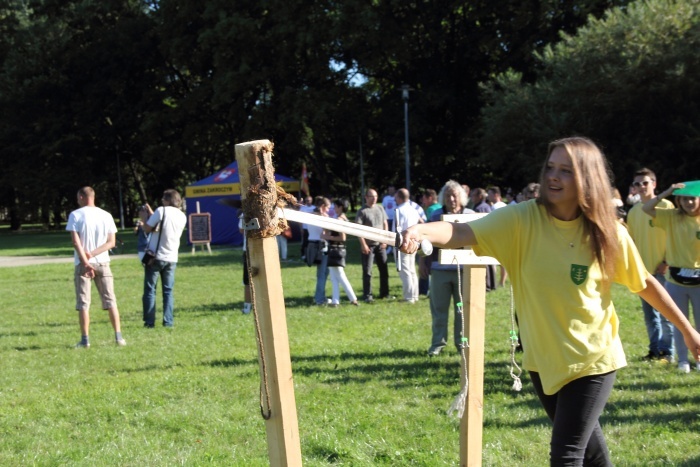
point(241, 70)
point(629, 81)
point(443, 50)
point(163, 90)
point(75, 81)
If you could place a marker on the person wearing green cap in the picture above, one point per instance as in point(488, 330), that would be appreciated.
point(682, 226)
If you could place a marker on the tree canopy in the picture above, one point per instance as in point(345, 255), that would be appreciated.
point(158, 92)
point(629, 81)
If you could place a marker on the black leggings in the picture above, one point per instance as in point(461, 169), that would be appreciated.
point(577, 438)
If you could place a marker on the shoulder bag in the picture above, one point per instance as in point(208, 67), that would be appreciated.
point(149, 257)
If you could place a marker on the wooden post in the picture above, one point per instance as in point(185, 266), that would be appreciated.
point(474, 309)
point(471, 426)
point(259, 196)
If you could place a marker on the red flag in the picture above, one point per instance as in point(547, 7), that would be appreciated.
point(304, 187)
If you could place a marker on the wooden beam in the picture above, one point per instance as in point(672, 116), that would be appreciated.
point(258, 194)
point(471, 426)
point(464, 257)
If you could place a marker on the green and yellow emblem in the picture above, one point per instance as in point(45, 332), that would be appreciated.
point(578, 273)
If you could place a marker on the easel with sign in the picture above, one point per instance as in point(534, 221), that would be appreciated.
point(199, 229)
point(277, 400)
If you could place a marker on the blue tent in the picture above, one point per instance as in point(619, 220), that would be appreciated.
point(225, 185)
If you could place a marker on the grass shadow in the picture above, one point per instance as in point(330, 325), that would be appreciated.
point(212, 308)
point(19, 334)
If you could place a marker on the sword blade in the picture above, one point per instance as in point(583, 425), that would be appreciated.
point(337, 225)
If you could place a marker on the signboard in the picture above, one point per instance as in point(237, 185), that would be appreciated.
point(200, 228)
point(227, 189)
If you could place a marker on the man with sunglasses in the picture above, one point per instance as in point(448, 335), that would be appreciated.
point(651, 243)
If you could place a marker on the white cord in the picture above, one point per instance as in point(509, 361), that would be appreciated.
point(517, 384)
point(457, 406)
point(459, 403)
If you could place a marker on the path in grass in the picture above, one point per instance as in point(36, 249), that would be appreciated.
point(11, 261)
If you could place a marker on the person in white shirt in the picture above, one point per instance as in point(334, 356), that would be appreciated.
point(93, 233)
point(419, 209)
point(407, 217)
point(308, 206)
point(494, 197)
point(165, 224)
point(389, 204)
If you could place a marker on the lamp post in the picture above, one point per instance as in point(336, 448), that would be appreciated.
point(362, 176)
point(119, 173)
point(119, 181)
point(404, 92)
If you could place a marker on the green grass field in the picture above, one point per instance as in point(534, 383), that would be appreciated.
point(366, 392)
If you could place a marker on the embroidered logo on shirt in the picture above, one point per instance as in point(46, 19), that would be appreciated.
point(578, 273)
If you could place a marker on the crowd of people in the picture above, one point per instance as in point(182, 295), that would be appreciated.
point(665, 247)
point(453, 198)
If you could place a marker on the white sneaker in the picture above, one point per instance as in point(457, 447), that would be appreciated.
point(684, 367)
point(246, 308)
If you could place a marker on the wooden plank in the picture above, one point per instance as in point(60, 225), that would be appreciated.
point(471, 425)
point(465, 257)
point(462, 217)
point(282, 428)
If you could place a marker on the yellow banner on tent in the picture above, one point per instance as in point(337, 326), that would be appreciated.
point(227, 189)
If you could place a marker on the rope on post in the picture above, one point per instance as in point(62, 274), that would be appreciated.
point(458, 405)
point(517, 384)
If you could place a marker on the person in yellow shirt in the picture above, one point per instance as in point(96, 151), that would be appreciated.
point(651, 243)
point(563, 251)
point(682, 226)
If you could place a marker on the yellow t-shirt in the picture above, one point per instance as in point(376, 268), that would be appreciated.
point(682, 239)
point(650, 240)
point(568, 324)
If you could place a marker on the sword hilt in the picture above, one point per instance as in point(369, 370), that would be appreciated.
point(426, 248)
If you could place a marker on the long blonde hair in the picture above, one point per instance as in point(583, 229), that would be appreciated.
point(594, 188)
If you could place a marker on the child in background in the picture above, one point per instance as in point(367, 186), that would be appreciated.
point(336, 257)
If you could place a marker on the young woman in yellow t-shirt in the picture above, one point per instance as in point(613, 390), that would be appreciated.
point(682, 226)
point(562, 252)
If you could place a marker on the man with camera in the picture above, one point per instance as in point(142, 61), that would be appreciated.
point(165, 225)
